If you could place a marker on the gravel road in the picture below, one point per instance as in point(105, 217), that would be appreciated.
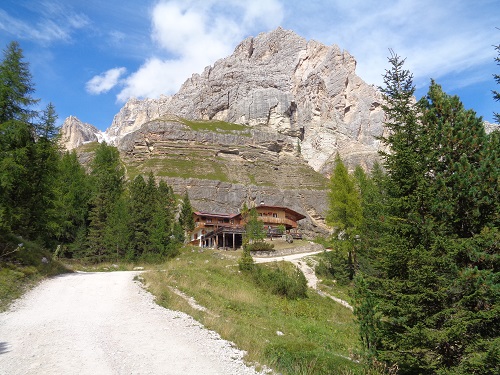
point(105, 323)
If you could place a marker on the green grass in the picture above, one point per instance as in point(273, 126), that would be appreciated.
point(319, 335)
point(215, 126)
point(88, 147)
point(185, 167)
point(21, 267)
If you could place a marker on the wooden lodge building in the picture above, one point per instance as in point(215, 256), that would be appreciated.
point(226, 230)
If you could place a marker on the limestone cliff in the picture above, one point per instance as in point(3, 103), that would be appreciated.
point(75, 133)
point(264, 123)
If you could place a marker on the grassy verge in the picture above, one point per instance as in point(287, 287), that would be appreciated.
point(313, 335)
point(21, 267)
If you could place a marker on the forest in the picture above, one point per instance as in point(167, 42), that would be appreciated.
point(418, 236)
point(47, 196)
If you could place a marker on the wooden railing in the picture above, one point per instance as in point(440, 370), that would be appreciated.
point(278, 220)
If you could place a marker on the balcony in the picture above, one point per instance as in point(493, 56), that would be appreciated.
point(278, 221)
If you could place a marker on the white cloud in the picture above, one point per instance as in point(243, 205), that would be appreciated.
point(55, 23)
point(104, 82)
point(437, 38)
point(195, 34)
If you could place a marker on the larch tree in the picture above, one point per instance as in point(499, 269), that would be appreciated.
point(186, 219)
point(16, 141)
point(345, 214)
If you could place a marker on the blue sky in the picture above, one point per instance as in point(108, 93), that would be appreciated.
point(88, 57)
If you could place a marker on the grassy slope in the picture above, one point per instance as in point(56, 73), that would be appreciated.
point(22, 268)
point(201, 161)
point(318, 333)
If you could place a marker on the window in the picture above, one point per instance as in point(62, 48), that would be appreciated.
point(275, 214)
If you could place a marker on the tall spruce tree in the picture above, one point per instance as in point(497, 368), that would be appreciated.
point(344, 213)
point(16, 142)
point(46, 159)
point(139, 201)
point(107, 177)
point(73, 192)
point(436, 287)
point(186, 218)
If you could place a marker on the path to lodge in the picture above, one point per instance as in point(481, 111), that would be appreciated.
point(105, 323)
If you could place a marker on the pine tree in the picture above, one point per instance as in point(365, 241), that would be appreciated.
point(139, 216)
point(436, 285)
point(117, 234)
point(374, 212)
point(16, 141)
point(107, 178)
point(344, 213)
point(163, 221)
point(42, 220)
point(186, 218)
point(73, 191)
point(16, 87)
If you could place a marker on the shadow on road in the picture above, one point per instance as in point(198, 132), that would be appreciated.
point(4, 347)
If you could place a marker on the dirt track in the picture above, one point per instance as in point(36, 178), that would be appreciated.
point(105, 323)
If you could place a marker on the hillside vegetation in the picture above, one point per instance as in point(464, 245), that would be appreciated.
point(22, 265)
point(312, 335)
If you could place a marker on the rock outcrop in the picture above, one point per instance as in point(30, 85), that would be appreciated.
point(283, 83)
point(75, 133)
point(287, 106)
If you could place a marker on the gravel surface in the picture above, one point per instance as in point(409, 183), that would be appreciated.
point(105, 323)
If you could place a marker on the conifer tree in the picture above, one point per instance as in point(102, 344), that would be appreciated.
point(435, 289)
point(46, 159)
point(345, 214)
point(117, 234)
point(163, 221)
point(186, 219)
point(16, 141)
point(254, 228)
point(139, 216)
point(107, 178)
point(73, 191)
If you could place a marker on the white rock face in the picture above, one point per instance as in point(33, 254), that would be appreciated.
point(75, 133)
point(277, 82)
point(136, 113)
point(283, 83)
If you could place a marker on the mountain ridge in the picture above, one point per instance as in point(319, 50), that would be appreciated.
point(281, 81)
point(263, 124)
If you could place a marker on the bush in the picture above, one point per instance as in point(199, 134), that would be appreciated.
point(246, 263)
point(259, 246)
point(334, 264)
point(285, 281)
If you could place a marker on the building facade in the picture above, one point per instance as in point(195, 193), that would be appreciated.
point(226, 230)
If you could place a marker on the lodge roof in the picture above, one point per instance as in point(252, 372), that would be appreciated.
point(217, 215)
point(299, 216)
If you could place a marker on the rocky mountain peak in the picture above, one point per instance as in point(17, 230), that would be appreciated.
point(75, 133)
